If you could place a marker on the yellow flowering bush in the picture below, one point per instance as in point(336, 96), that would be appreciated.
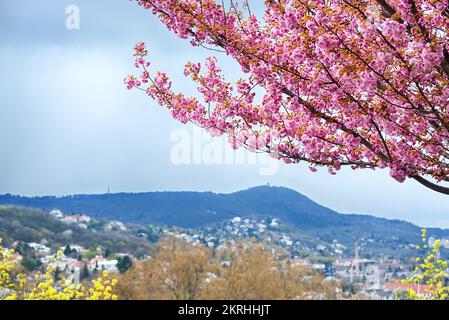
point(102, 288)
point(7, 266)
point(45, 287)
point(431, 271)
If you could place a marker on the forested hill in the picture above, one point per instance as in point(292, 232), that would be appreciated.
point(35, 225)
point(198, 209)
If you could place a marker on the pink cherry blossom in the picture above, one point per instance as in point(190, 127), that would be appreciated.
point(333, 83)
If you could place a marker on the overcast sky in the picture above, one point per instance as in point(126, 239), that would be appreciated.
point(69, 126)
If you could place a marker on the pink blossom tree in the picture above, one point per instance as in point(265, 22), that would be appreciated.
point(360, 83)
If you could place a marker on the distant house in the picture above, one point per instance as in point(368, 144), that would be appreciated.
point(319, 267)
point(274, 223)
point(39, 248)
point(63, 264)
point(225, 263)
point(76, 265)
point(397, 286)
point(82, 218)
point(56, 213)
point(70, 219)
point(301, 262)
point(236, 220)
point(101, 263)
point(115, 226)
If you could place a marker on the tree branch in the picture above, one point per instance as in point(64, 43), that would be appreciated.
point(431, 185)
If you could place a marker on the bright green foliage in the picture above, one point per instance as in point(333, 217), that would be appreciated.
point(431, 271)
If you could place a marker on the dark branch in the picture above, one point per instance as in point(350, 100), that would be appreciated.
point(431, 185)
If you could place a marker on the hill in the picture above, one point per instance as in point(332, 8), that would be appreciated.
point(199, 209)
point(35, 225)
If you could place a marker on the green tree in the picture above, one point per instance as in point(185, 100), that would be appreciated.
point(152, 236)
point(67, 250)
point(124, 263)
point(84, 274)
point(31, 263)
point(57, 274)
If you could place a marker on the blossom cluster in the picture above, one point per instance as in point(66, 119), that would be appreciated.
point(357, 83)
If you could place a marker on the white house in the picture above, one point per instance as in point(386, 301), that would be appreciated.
point(56, 213)
point(39, 248)
point(102, 264)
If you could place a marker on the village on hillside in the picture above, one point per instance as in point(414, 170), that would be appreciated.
point(378, 278)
